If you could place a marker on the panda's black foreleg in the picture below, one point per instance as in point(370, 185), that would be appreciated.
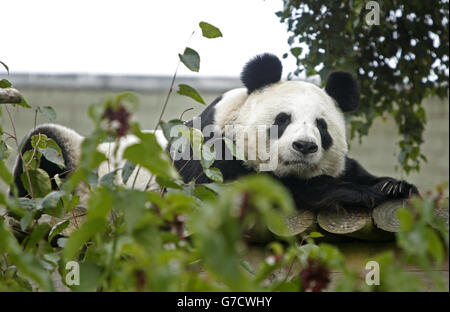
point(325, 192)
point(351, 195)
point(390, 187)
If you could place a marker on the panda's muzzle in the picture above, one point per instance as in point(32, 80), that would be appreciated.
point(305, 147)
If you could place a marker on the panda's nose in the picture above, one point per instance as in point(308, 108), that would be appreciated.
point(305, 147)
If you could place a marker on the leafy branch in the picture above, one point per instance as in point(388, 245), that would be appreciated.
point(398, 63)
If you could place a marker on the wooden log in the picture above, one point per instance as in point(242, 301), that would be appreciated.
point(300, 222)
point(10, 96)
point(296, 223)
point(370, 232)
point(385, 215)
point(442, 211)
point(343, 221)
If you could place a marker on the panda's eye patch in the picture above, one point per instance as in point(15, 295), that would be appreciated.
point(282, 118)
point(282, 121)
point(327, 140)
point(321, 123)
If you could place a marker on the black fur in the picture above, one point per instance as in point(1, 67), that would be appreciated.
point(192, 169)
point(207, 116)
point(344, 89)
point(282, 120)
point(389, 187)
point(49, 167)
point(327, 140)
point(261, 71)
point(324, 192)
point(354, 188)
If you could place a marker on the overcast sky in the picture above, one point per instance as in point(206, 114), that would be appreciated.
point(137, 36)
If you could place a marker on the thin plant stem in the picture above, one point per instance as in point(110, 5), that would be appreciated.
point(171, 87)
point(20, 152)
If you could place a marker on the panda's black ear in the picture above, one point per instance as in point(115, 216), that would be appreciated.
point(260, 71)
point(344, 89)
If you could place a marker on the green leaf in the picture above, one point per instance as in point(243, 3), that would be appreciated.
point(208, 156)
point(38, 233)
point(39, 140)
point(129, 97)
point(132, 203)
point(23, 103)
point(406, 219)
point(167, 128)
point(48, 112)
point(90, 156)
point(167, 183)
point(91, 277)
point(247, 266)
point(204, 193)
point(127, 170)
point(214, 174)
point(150, 155)
point(5, 150)
point(191, 59)
point(5, 84)
point(5, 66)
point(184, 89)
point(209, 31)
point(100, 203)
point(197, 140)
point(25, 262)
point(53, 156)
point(40, 182)
point(296, 51)
point(5, 174)
point(315, 235)
point(435, 247)
point(51, 199)
point(108, 179)
point(57, 228)
point(80, 236)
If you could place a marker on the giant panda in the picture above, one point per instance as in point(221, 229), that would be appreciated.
point(310, 146)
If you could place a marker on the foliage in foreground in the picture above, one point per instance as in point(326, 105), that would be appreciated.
point(188, 238)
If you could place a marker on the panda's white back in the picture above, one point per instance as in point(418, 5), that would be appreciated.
point(144, 179)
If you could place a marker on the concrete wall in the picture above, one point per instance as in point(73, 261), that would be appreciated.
point(71, 95)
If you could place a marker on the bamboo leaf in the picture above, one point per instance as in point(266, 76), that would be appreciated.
point(184, 89)
point(191, 59)
point(209, 31)
point(48, 112)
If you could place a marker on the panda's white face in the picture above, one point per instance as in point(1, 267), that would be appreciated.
point(311, 129)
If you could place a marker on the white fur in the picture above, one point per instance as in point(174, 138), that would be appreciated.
point(144, 179)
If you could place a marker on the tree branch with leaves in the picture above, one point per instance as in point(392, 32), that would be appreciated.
point(399, 60)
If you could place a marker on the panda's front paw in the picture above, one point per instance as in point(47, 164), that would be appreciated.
point(371, 198)
point(396, 189)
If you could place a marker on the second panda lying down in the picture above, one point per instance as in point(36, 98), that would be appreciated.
point(309, 148)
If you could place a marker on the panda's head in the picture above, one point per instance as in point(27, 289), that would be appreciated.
point(311, 138)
